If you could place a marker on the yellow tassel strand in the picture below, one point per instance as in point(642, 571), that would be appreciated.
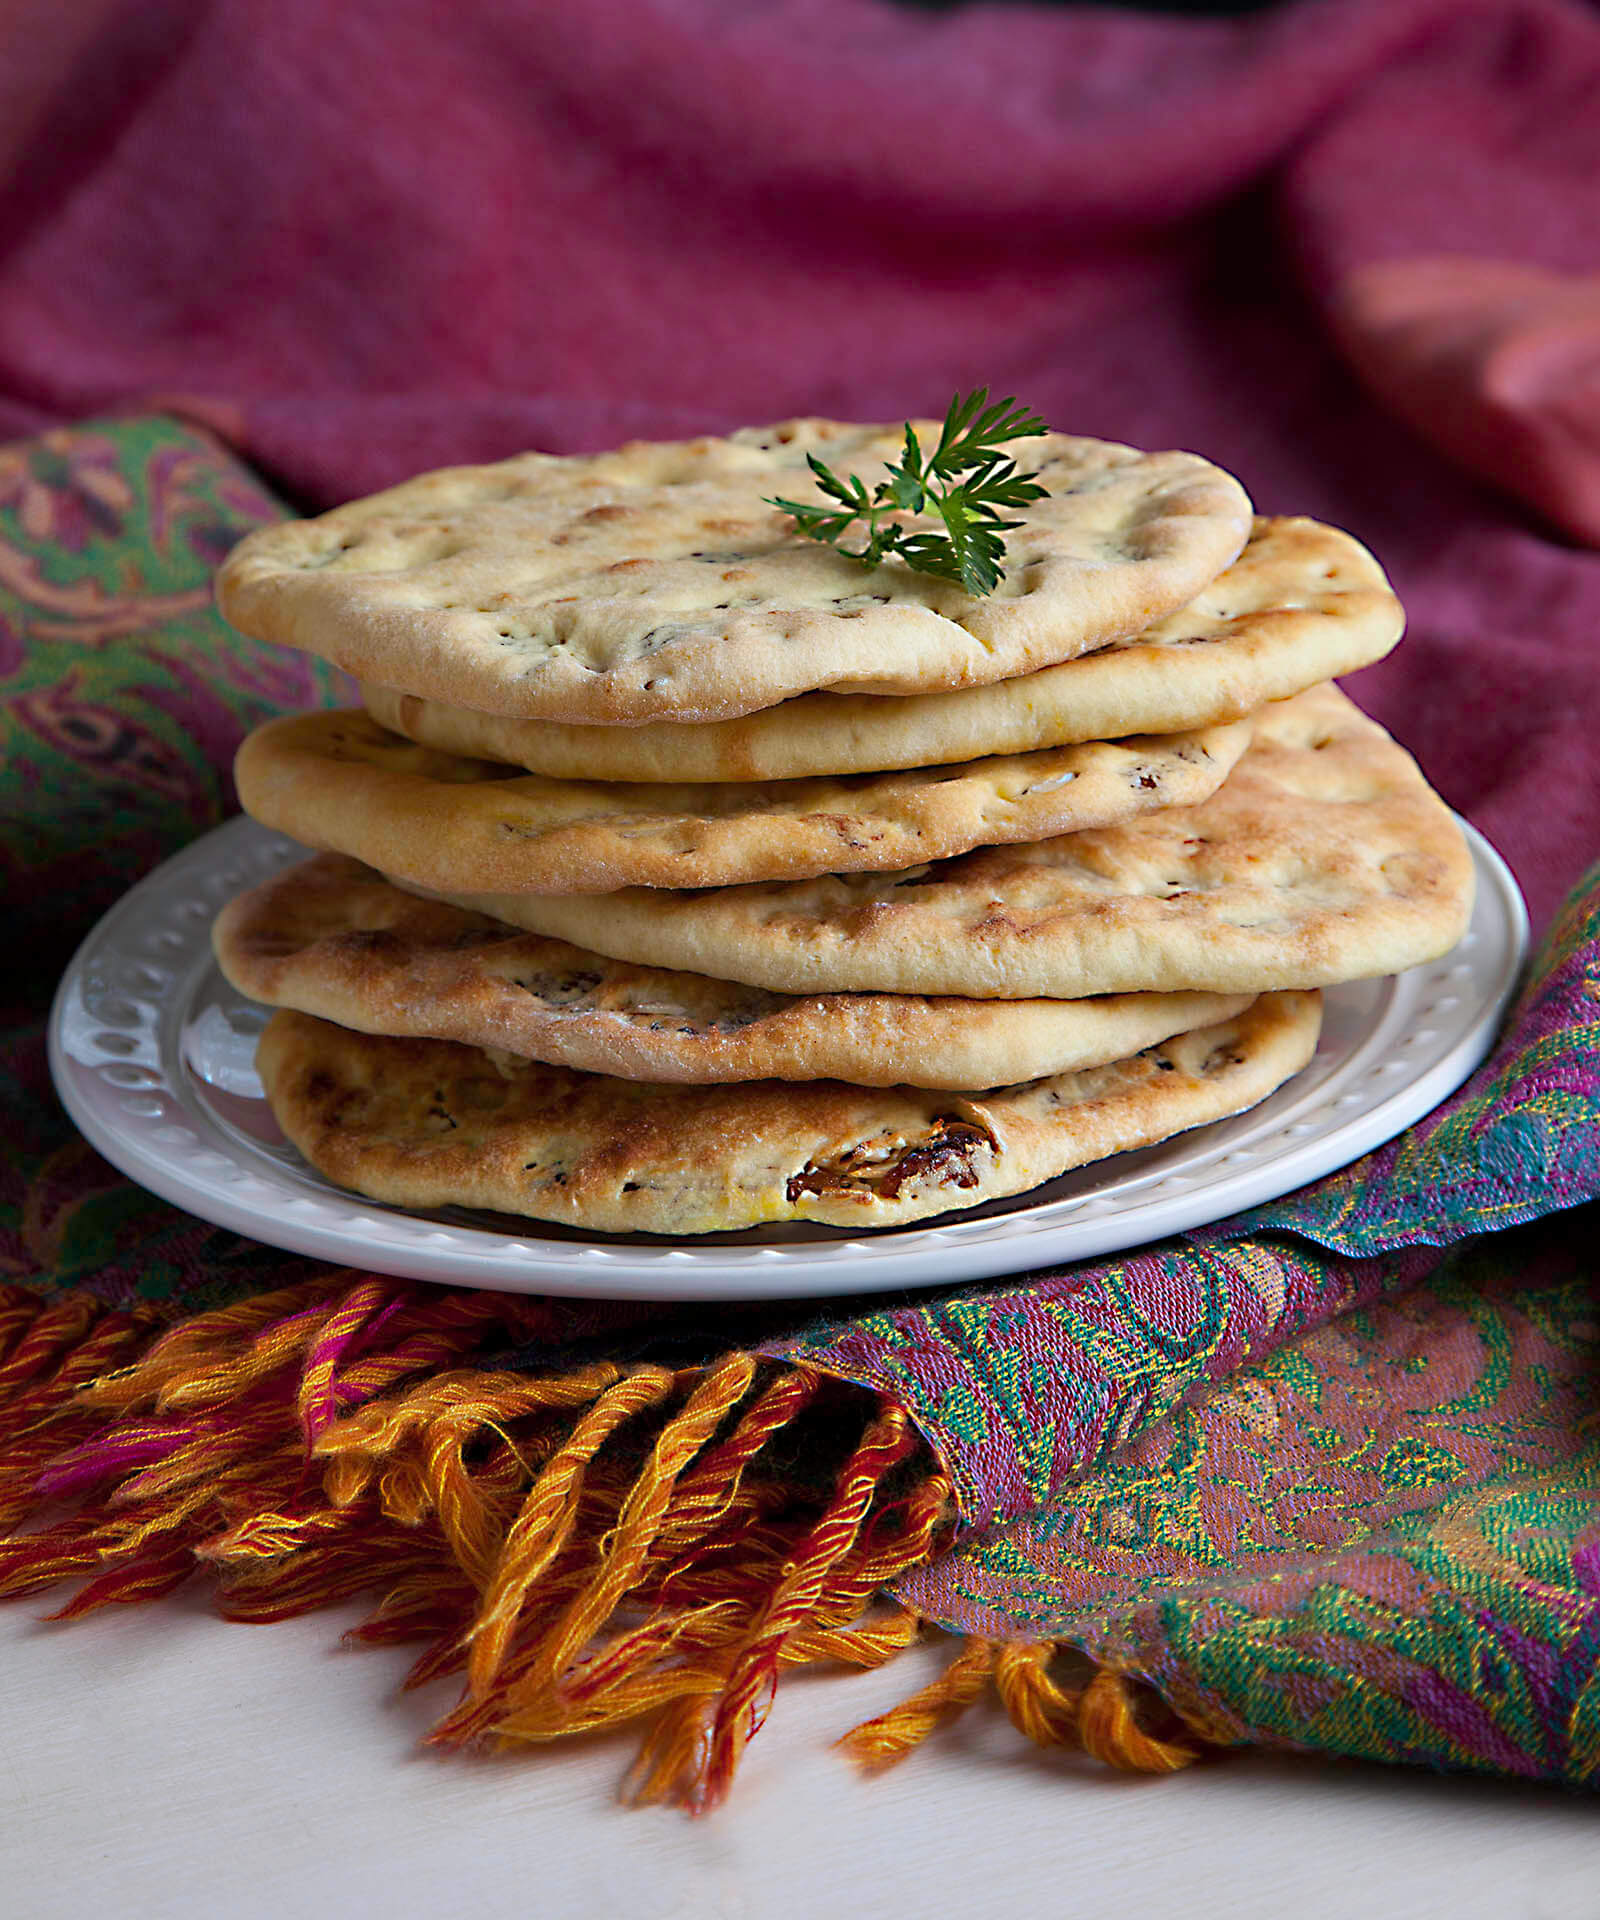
point(673, 1756)
point(872, 1643)
point(1109, 1731)
point(723, 1387)
point(376, 1438)
point(191, 1364)
point(543, 1526)
point(882, 1742)
point(1034, 1703)
point(706, 1494)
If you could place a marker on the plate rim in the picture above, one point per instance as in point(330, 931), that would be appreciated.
point(1022, 1234)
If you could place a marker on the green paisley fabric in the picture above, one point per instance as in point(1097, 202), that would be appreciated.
point(1382, 1540)
point(122, 694)
point(122, 698)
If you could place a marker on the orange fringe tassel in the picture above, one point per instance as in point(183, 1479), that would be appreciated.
point(582, 1549)
point(1102, 1720)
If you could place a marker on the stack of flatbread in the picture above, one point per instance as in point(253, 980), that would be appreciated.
point(682, 875)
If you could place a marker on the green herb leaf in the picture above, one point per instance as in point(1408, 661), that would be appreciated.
point(972, 443)
point(972, 429)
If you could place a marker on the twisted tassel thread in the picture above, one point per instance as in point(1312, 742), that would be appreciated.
point(1101, 1720)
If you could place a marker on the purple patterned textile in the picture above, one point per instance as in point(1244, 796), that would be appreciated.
point(1321, 1484)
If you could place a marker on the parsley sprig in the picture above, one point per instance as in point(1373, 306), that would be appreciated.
point(968, 480)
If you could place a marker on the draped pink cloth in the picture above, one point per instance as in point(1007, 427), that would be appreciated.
point(1348, 248)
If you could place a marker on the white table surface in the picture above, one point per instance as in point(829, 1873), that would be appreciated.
point(159, 1762)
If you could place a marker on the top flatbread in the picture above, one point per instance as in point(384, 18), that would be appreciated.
point(655, 582)
point(1323, 857)
point(1302, 604)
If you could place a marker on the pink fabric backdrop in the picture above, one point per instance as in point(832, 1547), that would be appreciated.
point(365, 239)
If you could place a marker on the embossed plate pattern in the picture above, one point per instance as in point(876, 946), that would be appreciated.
point(151, 1051)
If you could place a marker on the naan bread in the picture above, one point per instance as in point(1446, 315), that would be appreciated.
point(654, 582)
point(1323, 857)
point(332, 938)
point(340, 781)
point(1301, 605)
point(422, 1123)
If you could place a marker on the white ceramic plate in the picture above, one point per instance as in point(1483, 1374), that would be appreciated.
point(152, 1050)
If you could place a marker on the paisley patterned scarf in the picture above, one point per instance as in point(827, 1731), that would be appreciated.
point(1323, 1476)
